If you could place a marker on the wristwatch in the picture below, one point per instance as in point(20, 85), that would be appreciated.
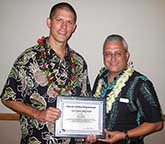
point(127, 139)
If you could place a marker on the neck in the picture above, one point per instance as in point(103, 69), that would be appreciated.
point(111, 76)
point(59, 48)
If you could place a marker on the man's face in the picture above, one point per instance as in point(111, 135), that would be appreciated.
point(61, 25)
point(115, 56)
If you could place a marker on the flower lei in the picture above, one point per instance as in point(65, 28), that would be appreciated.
point(120, 83)
point(46, 69)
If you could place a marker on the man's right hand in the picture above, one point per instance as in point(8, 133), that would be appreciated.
point(51, 114)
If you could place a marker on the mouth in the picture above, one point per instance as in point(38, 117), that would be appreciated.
point(63, 33)
point(113, 64)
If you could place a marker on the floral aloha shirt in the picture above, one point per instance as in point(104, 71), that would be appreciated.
point(36, 78)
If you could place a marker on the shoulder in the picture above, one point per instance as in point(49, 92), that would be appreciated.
point(27, 54)
point(77, 55)
point(140, 78)
point(102, 72)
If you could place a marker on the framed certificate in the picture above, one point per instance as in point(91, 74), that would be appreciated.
point(80, 116)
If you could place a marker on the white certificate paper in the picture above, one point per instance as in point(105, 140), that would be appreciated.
point(80, 117)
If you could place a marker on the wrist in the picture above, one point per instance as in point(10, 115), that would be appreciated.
point(126, 137)
point(36, 114)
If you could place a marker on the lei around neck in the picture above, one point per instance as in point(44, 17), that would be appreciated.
point(120, 83)
point(49, 75)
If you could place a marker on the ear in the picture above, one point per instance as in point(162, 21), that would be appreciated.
point(48, 22)
point(127, 55)
point(74, 28)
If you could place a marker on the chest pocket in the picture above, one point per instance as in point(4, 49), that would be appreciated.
point(126, 105)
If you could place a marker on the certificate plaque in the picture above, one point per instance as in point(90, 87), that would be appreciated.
point(80, 116)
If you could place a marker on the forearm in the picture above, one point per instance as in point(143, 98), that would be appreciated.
point(21, 108)
point(50, 114)
point(144, 129)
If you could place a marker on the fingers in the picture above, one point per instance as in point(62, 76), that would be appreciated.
point(52, 114)
point(108, 137)
point(103, 140)
point(49, 115)
point(112, 136)
point(91, 138)
point(107, 133)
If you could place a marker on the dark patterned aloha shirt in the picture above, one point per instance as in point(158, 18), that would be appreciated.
point(135, 104)
point(28, 82)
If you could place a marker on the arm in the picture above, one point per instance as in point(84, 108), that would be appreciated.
point(49, 115)
point(150, 108)
point(143, 129)
point(114, 136)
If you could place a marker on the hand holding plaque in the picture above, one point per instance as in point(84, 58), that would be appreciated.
point(80, 116)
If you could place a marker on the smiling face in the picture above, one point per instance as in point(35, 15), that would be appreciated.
point(61, 25)
point(115, 56)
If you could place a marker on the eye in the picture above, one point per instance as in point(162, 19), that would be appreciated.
point(107, 53)
point(59, 20)
point(70, 22)
point(118, 54)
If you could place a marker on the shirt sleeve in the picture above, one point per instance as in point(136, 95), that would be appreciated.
point(12, 88)
point(15, 85)
point(148, 102)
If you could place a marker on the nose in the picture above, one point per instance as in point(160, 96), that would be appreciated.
point(64, 24)
point(113, 57)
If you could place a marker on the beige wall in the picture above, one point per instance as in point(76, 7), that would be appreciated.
point(9, 132)
point(141, 22)
point(156, 138)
